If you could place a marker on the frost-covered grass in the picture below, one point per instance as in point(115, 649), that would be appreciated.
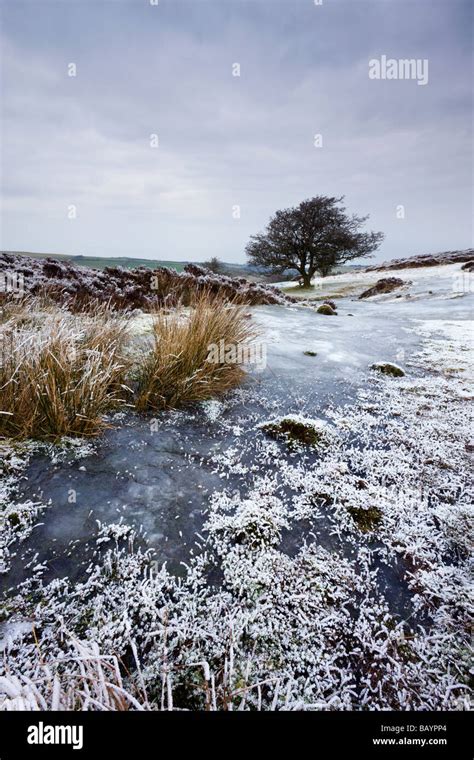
point(252, 627)
point(94, 682)
point(16, 519)
point(60, 374)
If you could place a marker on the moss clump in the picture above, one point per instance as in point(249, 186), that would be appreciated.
point(366, 519)
point(14, 518)
point(310, 353)
point(325, 309)
point(388, 369)
point(294, 432)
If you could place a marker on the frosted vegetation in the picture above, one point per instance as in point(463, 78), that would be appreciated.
point(303, 542)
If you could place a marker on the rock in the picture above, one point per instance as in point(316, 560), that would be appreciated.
point(310, 353)
point(385, 285)
point(325, 309)
point(468, 266)
point(386, 368)
point(331, 304)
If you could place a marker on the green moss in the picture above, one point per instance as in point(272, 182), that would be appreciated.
point(310, 353)
point(294, 432)
point(388, 369)
point(14, 518)
point(325, 309)
point(366, 519)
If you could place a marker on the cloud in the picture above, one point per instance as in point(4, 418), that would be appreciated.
point(224, 140)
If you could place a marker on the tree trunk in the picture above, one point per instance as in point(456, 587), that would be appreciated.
point(306, 280)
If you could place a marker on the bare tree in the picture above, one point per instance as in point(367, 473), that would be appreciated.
point(315, 236)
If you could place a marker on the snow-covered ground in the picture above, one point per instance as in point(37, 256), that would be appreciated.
point(275, 592)
point(444, 281)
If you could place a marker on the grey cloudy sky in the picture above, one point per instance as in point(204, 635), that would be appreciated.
point(228, 141)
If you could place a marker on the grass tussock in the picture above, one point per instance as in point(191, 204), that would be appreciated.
point(177, 370)
point(61, 372)
point(58, 374)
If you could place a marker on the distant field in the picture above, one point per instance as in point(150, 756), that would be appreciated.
point(97, 262)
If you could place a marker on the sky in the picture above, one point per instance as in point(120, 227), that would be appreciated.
point(126, 130)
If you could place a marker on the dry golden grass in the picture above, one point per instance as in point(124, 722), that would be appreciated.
point(60, 374)
point(176, 371)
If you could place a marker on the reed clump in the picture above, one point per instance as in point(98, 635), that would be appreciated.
point(178, 369)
